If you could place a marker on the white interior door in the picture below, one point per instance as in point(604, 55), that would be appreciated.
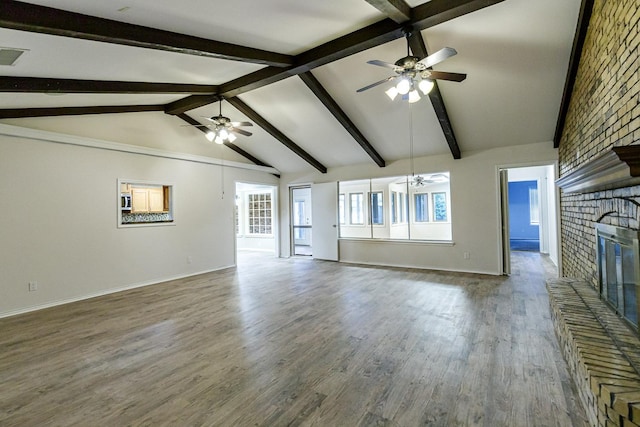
point(324, 232)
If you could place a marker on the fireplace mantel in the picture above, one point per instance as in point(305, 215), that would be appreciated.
point(618, 167)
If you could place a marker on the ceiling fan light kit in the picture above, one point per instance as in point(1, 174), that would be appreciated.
point(223, 129)
point(413, 74)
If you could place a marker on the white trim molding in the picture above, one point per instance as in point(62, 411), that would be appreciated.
point(59, 138)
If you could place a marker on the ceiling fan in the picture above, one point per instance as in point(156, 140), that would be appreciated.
point(421, 181)
point(414, 73)
point(222, 129)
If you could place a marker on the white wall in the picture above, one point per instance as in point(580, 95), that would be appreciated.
point(474, 209)
point(59, 222)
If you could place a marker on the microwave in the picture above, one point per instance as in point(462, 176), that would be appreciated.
point(125, 201)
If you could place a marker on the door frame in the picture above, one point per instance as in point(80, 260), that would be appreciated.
point(292, 245)
point(275, 215)
point(503, 247)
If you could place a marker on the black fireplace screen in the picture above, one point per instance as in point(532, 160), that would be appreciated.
point(618, 269)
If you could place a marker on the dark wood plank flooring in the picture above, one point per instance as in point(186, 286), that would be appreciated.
point(280, 342)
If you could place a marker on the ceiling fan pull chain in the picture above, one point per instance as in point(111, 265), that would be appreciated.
point(411, 141)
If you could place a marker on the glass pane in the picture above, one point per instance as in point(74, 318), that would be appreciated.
point(377, 208)
point(341, 211)
point(612, 282)
point(439, 206)
point(421, 201)
point(603, 266)
point(356, 208)
point(629, 285)
point(394, 207)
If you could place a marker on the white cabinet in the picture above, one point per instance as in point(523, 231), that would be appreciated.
point(156, 200)
point(147, 200)
point(139, 200)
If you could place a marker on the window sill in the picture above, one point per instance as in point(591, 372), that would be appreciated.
point(400, 241)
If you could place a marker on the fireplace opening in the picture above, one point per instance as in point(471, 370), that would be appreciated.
point(618, 270)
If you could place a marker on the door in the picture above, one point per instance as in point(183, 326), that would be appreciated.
point(504, 210)
point(324, 232)
point(301, 221)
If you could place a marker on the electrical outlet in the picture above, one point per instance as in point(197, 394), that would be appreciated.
point(33, 286)
point(189, 260)
point(467, 255)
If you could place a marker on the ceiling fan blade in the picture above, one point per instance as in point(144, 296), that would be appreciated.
point(241, 132)
point(439, 56)
point(362, 89)
point(443, 75)
point(236, 124)
point(382, 64)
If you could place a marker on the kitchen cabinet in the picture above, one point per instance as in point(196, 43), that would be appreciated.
point(139, 200)
point(147, 200)
point(156, 200)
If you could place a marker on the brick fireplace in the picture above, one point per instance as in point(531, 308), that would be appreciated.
point(603, 116)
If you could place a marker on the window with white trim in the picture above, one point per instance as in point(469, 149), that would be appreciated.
point(356, 208)
point(377, 207)
point(414, 212)
point(259, 213)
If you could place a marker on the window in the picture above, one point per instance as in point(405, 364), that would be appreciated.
point(259, 210)
point(377, 208)
point(356, 208)
point(341, 211)
point(534, 210)
point(421, 209)
point(439, 207)
point(394, 207)
point(402, 206)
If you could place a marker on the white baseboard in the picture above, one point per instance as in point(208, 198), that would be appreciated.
point(102, 293)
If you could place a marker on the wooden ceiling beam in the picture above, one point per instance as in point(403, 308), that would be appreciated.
point(424, 16)
point(437, 12)
point(47, 85)
point(15, 113)
point(228, 144)
point(397, 10)
point(190, 103)
point(321, 93)
point(273, 131)
point(586, 9)
point(419, 49)
point(41, 19)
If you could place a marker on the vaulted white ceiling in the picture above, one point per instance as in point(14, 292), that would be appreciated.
point(515, 54)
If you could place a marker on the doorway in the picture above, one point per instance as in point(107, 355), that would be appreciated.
point(528, 198)
point(301, 221)
point(255, 219)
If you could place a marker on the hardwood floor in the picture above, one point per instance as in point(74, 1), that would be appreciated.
point(280, 342)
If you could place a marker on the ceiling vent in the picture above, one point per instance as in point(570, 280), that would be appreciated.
point(9, 56)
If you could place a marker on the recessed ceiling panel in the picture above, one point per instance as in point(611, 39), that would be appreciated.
point(284, 26)
point(292, 107)
point(516, 56)
point(64, 57)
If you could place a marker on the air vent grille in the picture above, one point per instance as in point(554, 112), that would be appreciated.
point(9, 56)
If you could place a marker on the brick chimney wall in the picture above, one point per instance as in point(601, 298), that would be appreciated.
point(604, 112)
